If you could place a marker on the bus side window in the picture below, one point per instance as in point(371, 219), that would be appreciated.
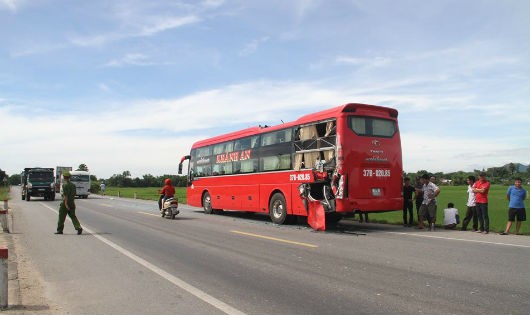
point(242, 144)
point(254, 142)
point(249, 166)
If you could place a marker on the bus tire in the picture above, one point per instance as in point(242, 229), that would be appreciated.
point(278, 209)
point(207, 203)
point(333, 218)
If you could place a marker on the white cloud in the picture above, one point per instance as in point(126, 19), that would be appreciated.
point(11, 5)
point(132, 59)
point(365, 62)
point(149, 136)
point(251, 47)
point(160, 24)
point(104, 87)
point(143, 26)
point(436, 153)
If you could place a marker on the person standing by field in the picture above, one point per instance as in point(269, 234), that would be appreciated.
point(418, 196)
point(67, 206)
point(408, 205)
point(516, 196)
point(481, 189)
point(428, 206)
point(471, 206)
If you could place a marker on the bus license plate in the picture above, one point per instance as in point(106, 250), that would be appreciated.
point(376, 192)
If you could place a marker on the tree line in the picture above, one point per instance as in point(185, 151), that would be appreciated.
point(503, 175)
point(496, 175)
point(125, 180)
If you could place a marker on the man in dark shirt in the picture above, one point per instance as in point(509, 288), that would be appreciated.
point(408, 205)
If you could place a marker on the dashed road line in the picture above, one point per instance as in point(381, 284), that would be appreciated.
point(275, 239)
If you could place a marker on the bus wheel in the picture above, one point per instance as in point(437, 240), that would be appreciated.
point(333, 218)
point(278, 209)
point(207, 203)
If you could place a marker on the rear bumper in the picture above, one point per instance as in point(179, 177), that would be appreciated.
point(369, 205)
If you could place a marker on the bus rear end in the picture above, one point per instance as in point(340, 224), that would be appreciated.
point(369, 159)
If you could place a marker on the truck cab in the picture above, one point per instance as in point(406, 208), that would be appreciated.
point(37, 182)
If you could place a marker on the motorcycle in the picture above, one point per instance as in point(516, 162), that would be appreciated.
point(170, 208)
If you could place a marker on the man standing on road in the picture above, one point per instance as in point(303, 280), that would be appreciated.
point(418, 196)
point(471, 206)
point(67, 205)
point(428, 207)
point(408, 205)
point(516, 195)
point(481, 189)
point(102, 186)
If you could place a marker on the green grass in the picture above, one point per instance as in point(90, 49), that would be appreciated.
point(497, 208)
point(4, 192)
point(146, 193)
point(497, 205)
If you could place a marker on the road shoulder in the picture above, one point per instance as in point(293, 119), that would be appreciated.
point(26, 293)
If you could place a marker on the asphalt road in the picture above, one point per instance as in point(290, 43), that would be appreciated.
point(129, 260)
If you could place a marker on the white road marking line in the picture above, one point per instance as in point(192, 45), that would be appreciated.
point(106, 205)
point(156, 215)
point(164, 274)
point(458, 239)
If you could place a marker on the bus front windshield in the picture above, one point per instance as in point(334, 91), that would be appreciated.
point(80, 178)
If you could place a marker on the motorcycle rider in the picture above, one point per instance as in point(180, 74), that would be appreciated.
point(168, 191)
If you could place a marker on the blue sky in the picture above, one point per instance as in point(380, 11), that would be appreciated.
point(130, 85)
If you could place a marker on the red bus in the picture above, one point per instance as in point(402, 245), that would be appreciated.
point(347, 157)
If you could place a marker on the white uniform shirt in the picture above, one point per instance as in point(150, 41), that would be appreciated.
point(471, 197)
point(450, 216)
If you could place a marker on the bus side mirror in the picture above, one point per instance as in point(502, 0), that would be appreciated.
point(184, 158)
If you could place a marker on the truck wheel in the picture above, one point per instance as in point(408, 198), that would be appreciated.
point(278, 209)
point(52, 198)
point(27, 197)
point(23, 197)
point(207, 203)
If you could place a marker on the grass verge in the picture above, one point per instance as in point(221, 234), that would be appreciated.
point(497, 206)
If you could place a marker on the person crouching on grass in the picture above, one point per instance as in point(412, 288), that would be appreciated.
point(516, 196)
point(451, 218)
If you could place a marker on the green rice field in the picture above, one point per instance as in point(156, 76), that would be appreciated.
point(498, 204)
point(4, 192)
point(146, 193)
